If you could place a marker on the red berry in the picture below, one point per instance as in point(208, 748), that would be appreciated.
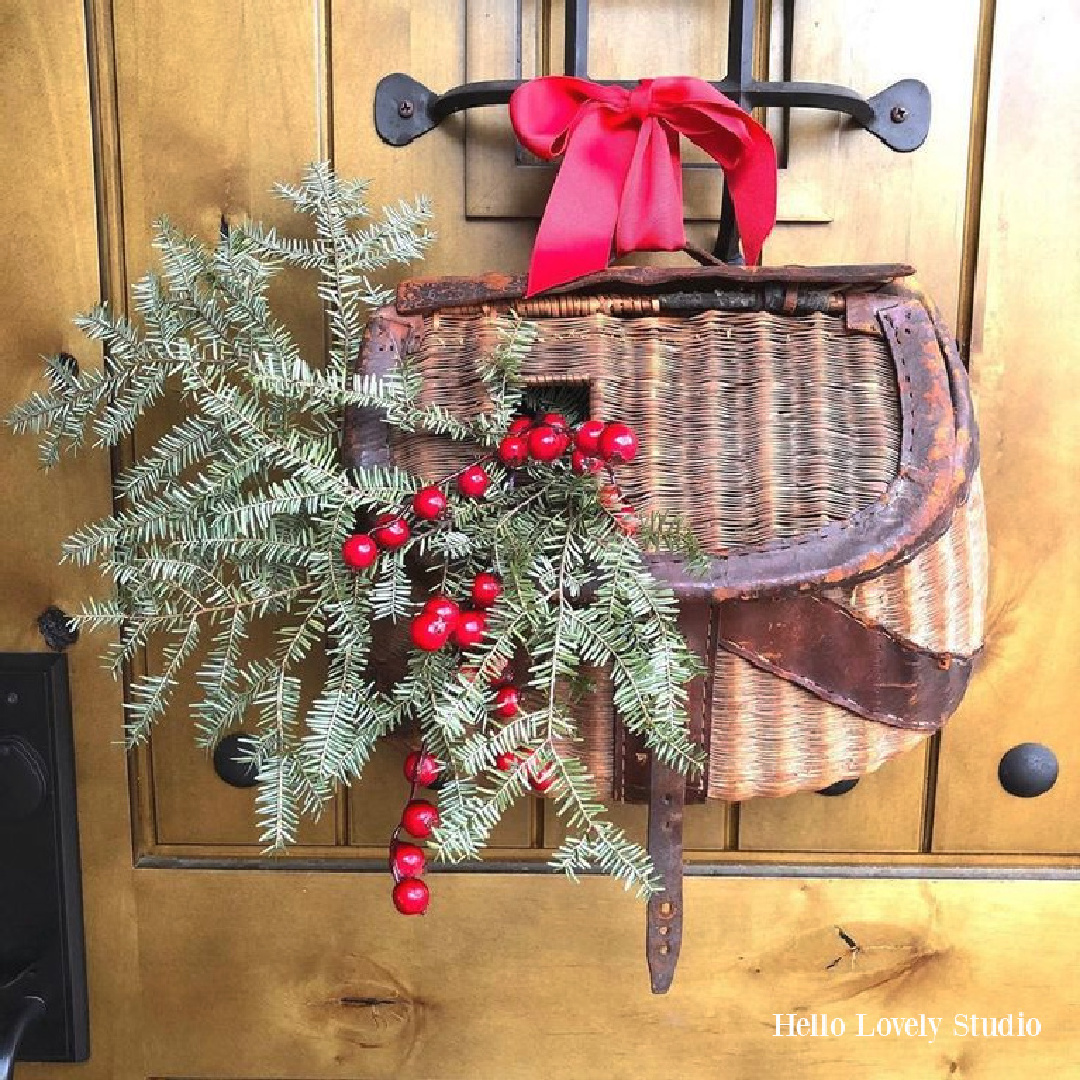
point(442, 607)
point(429, 632)
point(610, 497)
point(582, 463)
point(419, 818)
point(587, 437)
point(545, 443)
point(407, 860)
point(513, 451)
point(473, 482)
point(429, 504)
point(470, 628)
point(390, 531)
point(626, 521)
point(541, 777)
point(411, 897)
point(359, 551)
point(555, 420)
point(507, 761)
point(520, 425)
point(421, 769)
point(486, 590)
point(507, 702)
point(618, 443)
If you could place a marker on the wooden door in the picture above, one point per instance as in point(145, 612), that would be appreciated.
point(926, 890)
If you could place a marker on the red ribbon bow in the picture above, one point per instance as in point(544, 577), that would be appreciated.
point(621, 179)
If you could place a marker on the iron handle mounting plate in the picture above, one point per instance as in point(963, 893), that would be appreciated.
point(899, 116)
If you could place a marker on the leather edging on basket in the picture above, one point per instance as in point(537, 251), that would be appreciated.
point(423, 295)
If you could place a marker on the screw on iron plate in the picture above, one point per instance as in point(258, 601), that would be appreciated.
point(57, 629)
point(405, 109)
point(12, 698)
point(898, 114)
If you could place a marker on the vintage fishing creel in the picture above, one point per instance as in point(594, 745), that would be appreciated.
point(815, 428)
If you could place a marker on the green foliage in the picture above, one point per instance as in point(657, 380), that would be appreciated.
point(235, 516)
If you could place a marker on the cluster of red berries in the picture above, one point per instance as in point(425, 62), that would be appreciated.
point(442, 620)
point(392, 531)
point(592, 445)
point(507, 706)
point(540, 777)
point(419, 819)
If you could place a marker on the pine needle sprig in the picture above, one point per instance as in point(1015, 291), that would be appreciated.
point(225, 549)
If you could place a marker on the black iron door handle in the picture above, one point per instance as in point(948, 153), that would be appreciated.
point(30, 1010)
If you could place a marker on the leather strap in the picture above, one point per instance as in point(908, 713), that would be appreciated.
point(664, 922)
point(820, 645)
point(631, 781)
point(668, 792)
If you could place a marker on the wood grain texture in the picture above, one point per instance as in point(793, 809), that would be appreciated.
point(428, 41)
point(899, 207)
point(523, 977)
point(1024, 358)
point(205, 132)
point(48, 272)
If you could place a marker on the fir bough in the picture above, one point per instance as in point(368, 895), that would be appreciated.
point(236, 516)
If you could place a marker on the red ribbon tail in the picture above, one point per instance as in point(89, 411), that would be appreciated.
point(578, 225)
point(752, 182)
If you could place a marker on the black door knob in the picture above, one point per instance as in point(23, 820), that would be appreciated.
point(232, 761)
point(1028, 770)
point(23, 779)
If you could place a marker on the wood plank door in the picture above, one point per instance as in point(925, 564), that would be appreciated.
point(207, 959)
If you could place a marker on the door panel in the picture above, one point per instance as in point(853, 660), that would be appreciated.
point(638, 40)
point(885, 812)
point(1024, 357)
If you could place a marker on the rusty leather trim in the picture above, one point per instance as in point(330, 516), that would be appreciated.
point(387, 340)
point(862, 316)
point(823, 647)
point(664, 917)
point(422, 295)
point(967, 428)
point(632, 764)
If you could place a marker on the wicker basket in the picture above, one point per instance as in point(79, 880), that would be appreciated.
point(814, 427)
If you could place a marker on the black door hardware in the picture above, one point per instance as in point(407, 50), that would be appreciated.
point(12, 1030)
point(899, 115)
point(43, 1002)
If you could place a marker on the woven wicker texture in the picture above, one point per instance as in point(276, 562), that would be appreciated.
point(938, 600)
point(754, 427)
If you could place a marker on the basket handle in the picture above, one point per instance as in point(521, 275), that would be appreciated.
point(700, 255)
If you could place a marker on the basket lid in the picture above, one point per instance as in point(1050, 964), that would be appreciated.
point(421, 295)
